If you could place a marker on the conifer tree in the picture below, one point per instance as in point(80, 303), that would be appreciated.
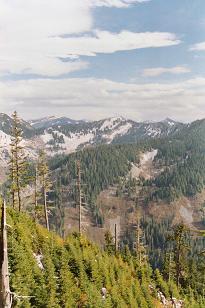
point(45, 182)
point(140, 249)
point(109, 242)
point(180, 249)
point(18, 163)
point(169, 265)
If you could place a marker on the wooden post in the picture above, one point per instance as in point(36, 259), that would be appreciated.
point(79, 194)
point(5, 294)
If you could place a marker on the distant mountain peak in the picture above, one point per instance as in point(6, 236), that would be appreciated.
point(169, 120)
point(52, 121)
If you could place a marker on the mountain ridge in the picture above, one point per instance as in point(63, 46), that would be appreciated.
point(56, 133)
point(62, 135)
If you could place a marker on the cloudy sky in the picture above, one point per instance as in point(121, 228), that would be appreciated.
point(91, 59)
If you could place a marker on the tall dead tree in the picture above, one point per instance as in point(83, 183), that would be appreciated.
point(5, 294)
point(36, 193)
point(79, 196)
point(45, 182)
point(60, 206)
point(116, 239)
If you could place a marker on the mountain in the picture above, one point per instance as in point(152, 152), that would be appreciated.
point(140, 131)
point(70, 137)
point(52, 121)
point(161, 180)
point(164, 177)
point(6, 123)
point(63, 135)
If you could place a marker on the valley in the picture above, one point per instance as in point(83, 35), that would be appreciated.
point(128, 187)
point(133, 195)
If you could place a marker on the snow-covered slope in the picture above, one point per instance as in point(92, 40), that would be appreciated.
point(71, 137)
point(63, 135)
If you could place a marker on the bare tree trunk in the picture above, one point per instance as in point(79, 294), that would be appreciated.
point(12, 179)
point(19, 198)
point(17, 178)
point(178, 266)
point(5, 294)
point(13, 199)
point(138, 248)
point(170, 261)
point(80, 195)
point(45, 209)
point(36, 193)
point(116, 241)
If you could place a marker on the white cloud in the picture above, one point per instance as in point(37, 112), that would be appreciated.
point(32, 40)
point(107, 42)
point(28, 31)
point(198, 47)
point(157, 71)
point(116, 3)
point(98, 98)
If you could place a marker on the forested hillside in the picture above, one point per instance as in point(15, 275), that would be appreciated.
point(46, 271)
point(107, 193)
point(181, 157)
point(101, 166)
point(184, 161)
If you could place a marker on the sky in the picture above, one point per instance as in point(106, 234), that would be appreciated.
point(92, 59)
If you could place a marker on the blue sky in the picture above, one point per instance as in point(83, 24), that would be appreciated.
point(97, 58)
point(186, 18)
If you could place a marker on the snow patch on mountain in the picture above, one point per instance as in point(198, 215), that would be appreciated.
point(148, 156)
point(186, 214)
point(152, 132)
point(122, 130)
point(111, 123)
point(46, 137)
point(72, 143)
point(5, 140)
point(145, 167)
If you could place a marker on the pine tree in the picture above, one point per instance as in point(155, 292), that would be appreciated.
point(139, 246)
point(169, 265)
point(18, 163)
point(45, 182)
point(180, 249)
point(109, 242)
